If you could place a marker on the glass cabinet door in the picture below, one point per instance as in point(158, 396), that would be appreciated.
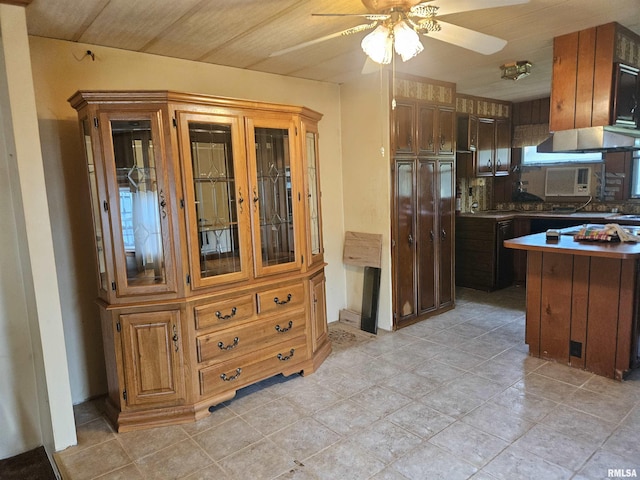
point(96, 177)
point(139, 209)
point(274, 201)
point(312, 190)
point(217, 199)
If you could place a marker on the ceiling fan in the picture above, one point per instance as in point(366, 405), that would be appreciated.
point(398, 24)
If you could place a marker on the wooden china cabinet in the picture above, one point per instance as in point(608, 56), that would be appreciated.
point(208, 239)
point(423, 149)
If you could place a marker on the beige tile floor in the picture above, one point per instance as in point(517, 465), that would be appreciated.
point(452, 397)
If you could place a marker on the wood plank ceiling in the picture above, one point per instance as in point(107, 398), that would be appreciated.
point(243, 33)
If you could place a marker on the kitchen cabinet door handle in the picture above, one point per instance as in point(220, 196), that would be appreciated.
point(410, 239)
point(431, 235)
point(443, 234)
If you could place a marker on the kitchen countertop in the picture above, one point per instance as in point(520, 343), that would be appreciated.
point(606, 217)
point(567, 245)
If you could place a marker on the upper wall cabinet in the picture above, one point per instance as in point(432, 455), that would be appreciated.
point(422, 129)
point(493, 155)
point(594, 80)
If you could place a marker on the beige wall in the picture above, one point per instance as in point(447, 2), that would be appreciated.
point(35, 397)
point(59, 69)
point(367, 188)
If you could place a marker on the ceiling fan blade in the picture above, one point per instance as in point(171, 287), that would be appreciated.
point(368, 16)
point(348, 31)
point(469, 39)
point(446, 7)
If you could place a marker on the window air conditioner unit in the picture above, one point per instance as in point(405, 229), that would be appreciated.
point(568, 182)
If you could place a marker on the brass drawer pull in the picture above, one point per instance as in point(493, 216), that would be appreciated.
point(282, 302)
point(233, 345)
point(284, 329)
point(232, 377)
point(227, 317)
point(282, 358)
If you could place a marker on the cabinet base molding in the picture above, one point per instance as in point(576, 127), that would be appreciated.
point(320, 356)
point(126, 421)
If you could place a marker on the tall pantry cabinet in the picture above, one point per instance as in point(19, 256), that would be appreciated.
point(423, 146)
point(208, 241)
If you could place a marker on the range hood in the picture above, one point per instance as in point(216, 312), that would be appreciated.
point(592, 139)
point(595, 87)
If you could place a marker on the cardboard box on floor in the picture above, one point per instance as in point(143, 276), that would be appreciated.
point(364, 250)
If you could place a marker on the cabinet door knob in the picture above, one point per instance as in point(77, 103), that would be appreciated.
point(175, 338)
point(255, 199)
point(410, 239)
point(240, 199)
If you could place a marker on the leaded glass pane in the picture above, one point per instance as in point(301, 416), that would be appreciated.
point(312, 179)
point(275, 196)
point(141, 203)
point(215, 197)
point(95, 205)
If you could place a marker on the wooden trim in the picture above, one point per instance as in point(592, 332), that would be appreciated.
point(579, 310)
point(19, 3)
point(483, 107)
point(534, 289)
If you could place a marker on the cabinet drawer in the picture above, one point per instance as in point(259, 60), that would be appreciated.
point(281, 299)
point(225, 312)
point(233, 342)
point(245, 370)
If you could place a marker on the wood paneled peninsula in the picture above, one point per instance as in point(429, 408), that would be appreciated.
point(582, 302)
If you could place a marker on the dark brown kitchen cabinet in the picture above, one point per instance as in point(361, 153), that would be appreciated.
point(467, 133)
point(423, 129)
point(586, 78)
point(493, 155)
point(482, 261)
point(404, 128)
point(423, 238)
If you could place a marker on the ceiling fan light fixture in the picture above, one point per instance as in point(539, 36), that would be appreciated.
point(378, 45)
point(515, 70)
point(406, 41)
